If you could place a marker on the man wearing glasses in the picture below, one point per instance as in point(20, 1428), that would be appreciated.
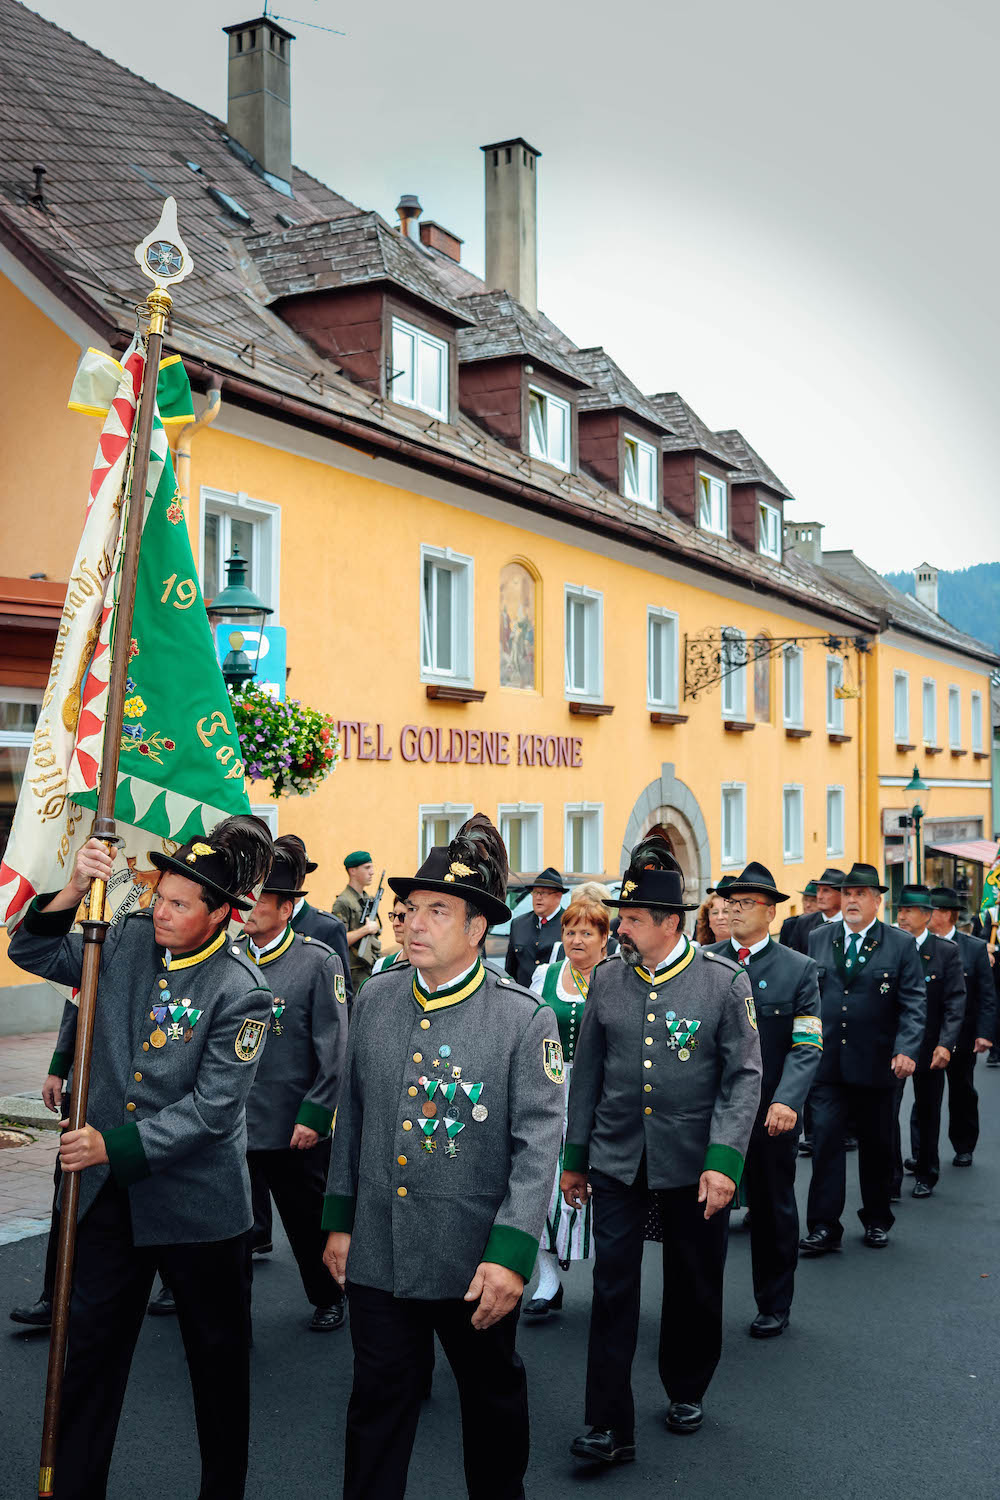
point(786, 994)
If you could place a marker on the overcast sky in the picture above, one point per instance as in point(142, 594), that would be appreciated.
point(785, 211)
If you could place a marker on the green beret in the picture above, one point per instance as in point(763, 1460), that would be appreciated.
point(359, 857)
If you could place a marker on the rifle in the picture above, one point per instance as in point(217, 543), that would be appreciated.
point(369, 909)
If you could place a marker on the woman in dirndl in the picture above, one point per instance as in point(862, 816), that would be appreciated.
point(563, 986)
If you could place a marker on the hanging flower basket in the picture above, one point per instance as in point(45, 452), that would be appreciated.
point(293, 747)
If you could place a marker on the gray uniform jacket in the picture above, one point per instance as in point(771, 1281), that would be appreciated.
point(448, 1132)
point(172, 1111)
point(872, 1012)
point(786, 995)
point(312, 922)
point(298, 1079)
point(671, 1071)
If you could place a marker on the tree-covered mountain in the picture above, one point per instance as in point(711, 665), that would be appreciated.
point(968, 597)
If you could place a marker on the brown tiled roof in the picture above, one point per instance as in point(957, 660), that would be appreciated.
point(502, 327)
point(347, 251)
point(612, 389)
point(689, 432)
point(897, 608)
point(750, 467)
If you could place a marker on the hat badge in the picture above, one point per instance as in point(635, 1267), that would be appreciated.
point(627, 888)
point(458, 869)
point(198, 851)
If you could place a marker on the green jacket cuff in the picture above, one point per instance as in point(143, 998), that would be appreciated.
point(511, 1248)
point(48, 923)
point(61, 1064)
point(338, 1213)
point(314, 1117)
point(126, 1156)
point(575, 1158)
point(724, 1159)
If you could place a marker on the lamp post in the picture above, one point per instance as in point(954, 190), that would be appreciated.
point(914, 786)
point(239, 603)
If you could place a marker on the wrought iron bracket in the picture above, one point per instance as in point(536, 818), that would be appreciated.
point(711, 655)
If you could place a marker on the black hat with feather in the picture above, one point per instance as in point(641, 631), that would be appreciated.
point(293, 838)
point(653, 878)
point(230, 861)
point(473, 866)
point(288, 869)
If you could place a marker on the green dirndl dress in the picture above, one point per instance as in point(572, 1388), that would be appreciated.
point(568, 1231)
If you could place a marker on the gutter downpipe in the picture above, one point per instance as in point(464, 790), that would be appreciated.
point(182, 464)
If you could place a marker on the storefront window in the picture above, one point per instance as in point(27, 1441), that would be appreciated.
point(18, 716)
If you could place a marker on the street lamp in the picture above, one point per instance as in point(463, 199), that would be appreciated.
point(914, 786)
point(239, 603)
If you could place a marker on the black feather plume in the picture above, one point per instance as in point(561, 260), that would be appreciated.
point(290, 852)
point(245, 843)
point(478, 845)
point(653, 853)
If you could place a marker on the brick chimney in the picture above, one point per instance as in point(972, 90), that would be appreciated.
point(511, 220)
point(259, 111)
point(926, 578)
point(805, 538)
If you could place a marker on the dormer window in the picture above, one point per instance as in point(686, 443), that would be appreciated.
point(769, 531)
point(419, 374)
point(548, 428)
point(713, 505)
point(639, 471)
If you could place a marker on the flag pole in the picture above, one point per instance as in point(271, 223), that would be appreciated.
point(164, 259)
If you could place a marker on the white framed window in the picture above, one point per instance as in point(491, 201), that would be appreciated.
point(640, 471)
point(419, 375)
point(19, 709)
point(713, 505)
point(520, 825)
point(793, 823)
point(446, 614)
point(661, 658)
point(734, 669)
point(834, 705)
point(928, 701)
point(794, 687)
point(901, 707)
point(835, 820)
point(549, 428)
point(734, 824)
point(253, 527)
point(438, 824)
point(976, 720)
point(954, 718)
point(583, 851)
point(584, 642)
point(769, 531)
point(268, 811)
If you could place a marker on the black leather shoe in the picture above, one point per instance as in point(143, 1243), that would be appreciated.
point(819, 1241)
point(850, 1143)
point(910, 1165)
point(603, 1445)
point(38, 1315)
point(876, 1238)
point(805, 1147)
point(264, 1249)
point(962, 1159)
point(541, 1307)
point(684, 1416)
point(768, 1325)
point(326, 1319)
point(746, 1222)
point(922, 1189)
point(162, 1303)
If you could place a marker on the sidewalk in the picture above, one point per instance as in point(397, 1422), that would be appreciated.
point(26, 1171)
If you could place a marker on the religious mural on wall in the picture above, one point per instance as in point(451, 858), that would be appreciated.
point(517, 627)
point(762, 679)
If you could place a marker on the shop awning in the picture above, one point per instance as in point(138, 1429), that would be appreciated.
point(979, 851)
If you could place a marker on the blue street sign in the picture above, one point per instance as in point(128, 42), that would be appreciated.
point(270, 664)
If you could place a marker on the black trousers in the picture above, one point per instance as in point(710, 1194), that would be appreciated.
point(393, 1349)
point(262, 1232)
point(297, 1182)
point(963, 1101)
point(769, 1189)
point(111, 1284)
point(694, 1258)
point(925, 1123)
point(872, 1112)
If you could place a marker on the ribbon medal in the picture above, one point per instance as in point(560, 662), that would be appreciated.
point(681, 1037)
point(277, 1011)
point(452, 1126)
point(428, 1127)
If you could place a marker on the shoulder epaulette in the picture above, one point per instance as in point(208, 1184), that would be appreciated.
point(246, 962)
point(727, 963)
point(316, 943)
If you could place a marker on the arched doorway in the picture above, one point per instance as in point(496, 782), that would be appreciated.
point(669, 807)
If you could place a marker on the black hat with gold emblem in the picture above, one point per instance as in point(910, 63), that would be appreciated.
point(653, 879)
point(228, 862)
point(288, 869)
point(473, 866)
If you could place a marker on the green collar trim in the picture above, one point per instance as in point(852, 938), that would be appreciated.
point(675, 968)
point(441, 999)
point(268, 958)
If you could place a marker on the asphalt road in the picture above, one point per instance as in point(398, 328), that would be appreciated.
point(887, 1383)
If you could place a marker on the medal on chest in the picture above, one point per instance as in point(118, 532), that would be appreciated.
point(180, 1018)
point(277, 1011)
point(681, 1037)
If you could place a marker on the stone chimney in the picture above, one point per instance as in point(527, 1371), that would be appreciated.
point(259, 112)
point(926, 577)
point(805, 538)
point(511, 220)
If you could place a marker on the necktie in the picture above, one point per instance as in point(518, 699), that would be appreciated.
point(852, 949)
point(743, 955)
